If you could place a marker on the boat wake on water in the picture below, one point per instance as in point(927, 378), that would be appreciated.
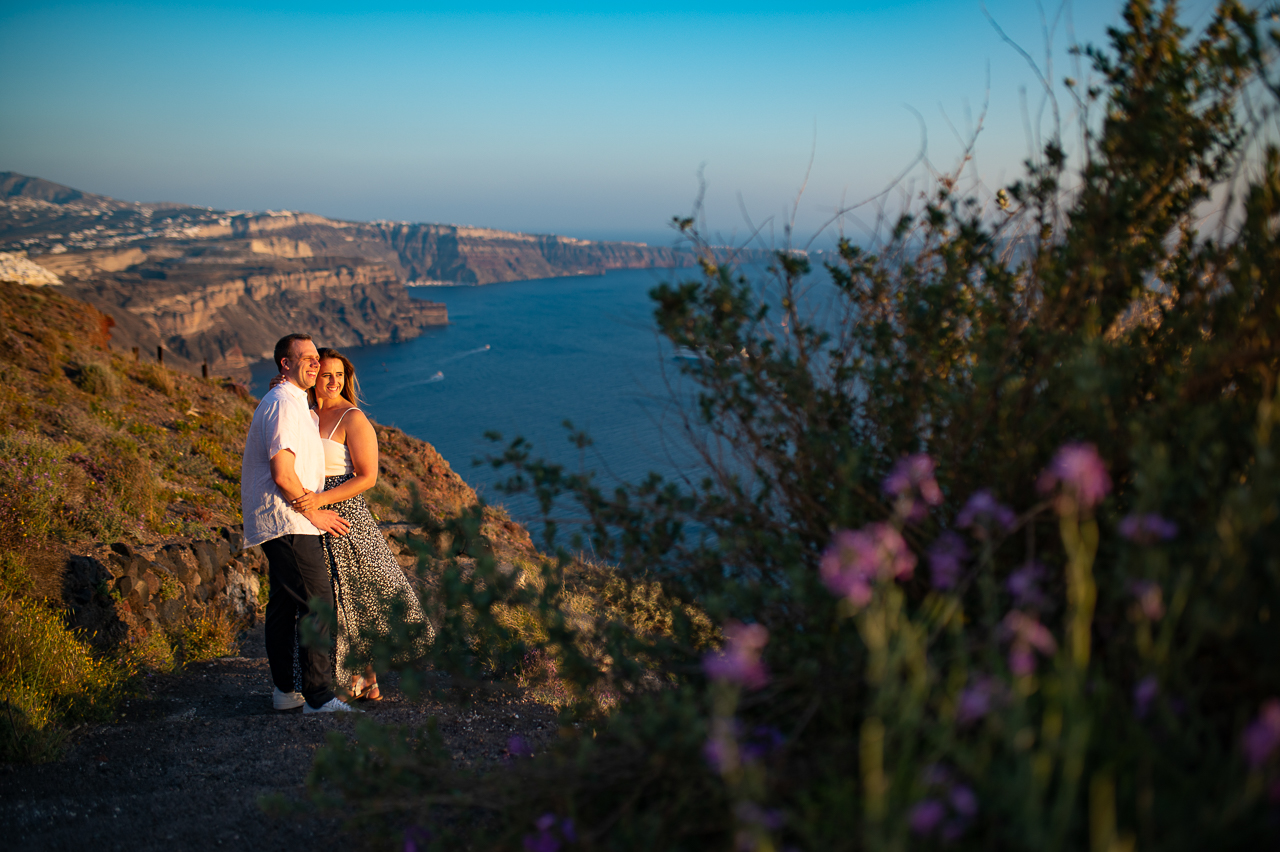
point(475, 351)
point(437, 377)
point(439, 374)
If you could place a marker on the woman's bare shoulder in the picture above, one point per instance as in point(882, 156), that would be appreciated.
point(357, 420)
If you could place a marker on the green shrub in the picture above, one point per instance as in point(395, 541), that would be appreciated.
point(152, 650)
point(170, 588)
point(98, 379)
point(129, 476)
point(155, 377)
point(223, 462)
point(32, 488)
point(144, 431)
point(207, 636)
point(992, 544)
point(49, 678)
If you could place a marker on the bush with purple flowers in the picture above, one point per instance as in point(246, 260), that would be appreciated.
point(1065, 401)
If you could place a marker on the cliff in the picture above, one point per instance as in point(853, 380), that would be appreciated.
point(484, 256)
point(229, 312)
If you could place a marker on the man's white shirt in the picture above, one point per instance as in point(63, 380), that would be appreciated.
point(283, 421)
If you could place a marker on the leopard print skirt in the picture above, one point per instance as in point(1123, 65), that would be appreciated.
point(376, 606)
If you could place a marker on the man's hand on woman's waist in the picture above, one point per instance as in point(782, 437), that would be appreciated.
point(327, 521)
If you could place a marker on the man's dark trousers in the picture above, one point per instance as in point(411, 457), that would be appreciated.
point(297, 572)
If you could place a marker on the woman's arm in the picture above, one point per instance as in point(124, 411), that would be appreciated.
point(363, 445)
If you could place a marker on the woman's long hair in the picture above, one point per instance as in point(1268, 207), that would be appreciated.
point(350, 386)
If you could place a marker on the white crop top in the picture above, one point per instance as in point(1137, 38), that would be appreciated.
point(337, 458)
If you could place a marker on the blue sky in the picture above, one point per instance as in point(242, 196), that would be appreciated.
point(534, 117)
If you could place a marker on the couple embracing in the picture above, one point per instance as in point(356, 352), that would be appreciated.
point(335, 555)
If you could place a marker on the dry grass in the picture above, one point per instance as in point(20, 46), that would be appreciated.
point(155, 377)
point(207, 636)
point(49, 677)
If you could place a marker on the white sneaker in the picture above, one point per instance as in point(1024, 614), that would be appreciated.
point(335, 705)
point(285, 700)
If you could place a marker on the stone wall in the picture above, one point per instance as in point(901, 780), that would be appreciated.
point(124, 591)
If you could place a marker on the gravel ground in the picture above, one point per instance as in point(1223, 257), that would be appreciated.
point(183, 767)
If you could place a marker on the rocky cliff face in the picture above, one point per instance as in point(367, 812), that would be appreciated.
point(229, 314)
point(484, 256)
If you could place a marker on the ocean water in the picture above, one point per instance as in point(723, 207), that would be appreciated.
point(520, 358)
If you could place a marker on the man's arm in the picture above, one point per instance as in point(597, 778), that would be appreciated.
point(285, 474)
point(286, 479)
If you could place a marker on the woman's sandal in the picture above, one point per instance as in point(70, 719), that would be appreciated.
point(362, 689)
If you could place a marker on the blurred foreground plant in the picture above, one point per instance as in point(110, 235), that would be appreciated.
point(1065, 406)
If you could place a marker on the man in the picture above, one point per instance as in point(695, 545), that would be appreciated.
point(284, 459)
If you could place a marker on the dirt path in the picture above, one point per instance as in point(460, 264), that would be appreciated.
point(183, 768)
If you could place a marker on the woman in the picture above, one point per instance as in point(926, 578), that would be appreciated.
point(367, 578)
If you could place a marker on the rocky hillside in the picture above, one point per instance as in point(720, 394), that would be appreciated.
point(119, 480)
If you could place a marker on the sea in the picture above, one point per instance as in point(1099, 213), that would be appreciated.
point(522, 358)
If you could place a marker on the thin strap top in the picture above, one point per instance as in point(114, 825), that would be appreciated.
point(338, 422)
point(337, 458)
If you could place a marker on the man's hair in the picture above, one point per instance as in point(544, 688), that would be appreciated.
point(285, 345)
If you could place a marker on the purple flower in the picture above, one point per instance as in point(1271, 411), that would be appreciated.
point(913, 475)
point(854, 559)
point(1263, 735)
point(517, 747)
point(552, 831)
point(753, 814)
point(953, 829)
point(944, 560)
point(764, 740)
point(1144, 694)
point(983, 511)
point(715, 752)
point(1027, 635)
point(1148, 528)
point(963, 801)
point(925, 816)
point(416, 837)
point(937, 775)
point(1080, 471)
point(1150, 598)
point(545, 842)
point(976, 700)
point(739, 661)
point(914, 472)
point(949, 811)
point(1024, 585)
